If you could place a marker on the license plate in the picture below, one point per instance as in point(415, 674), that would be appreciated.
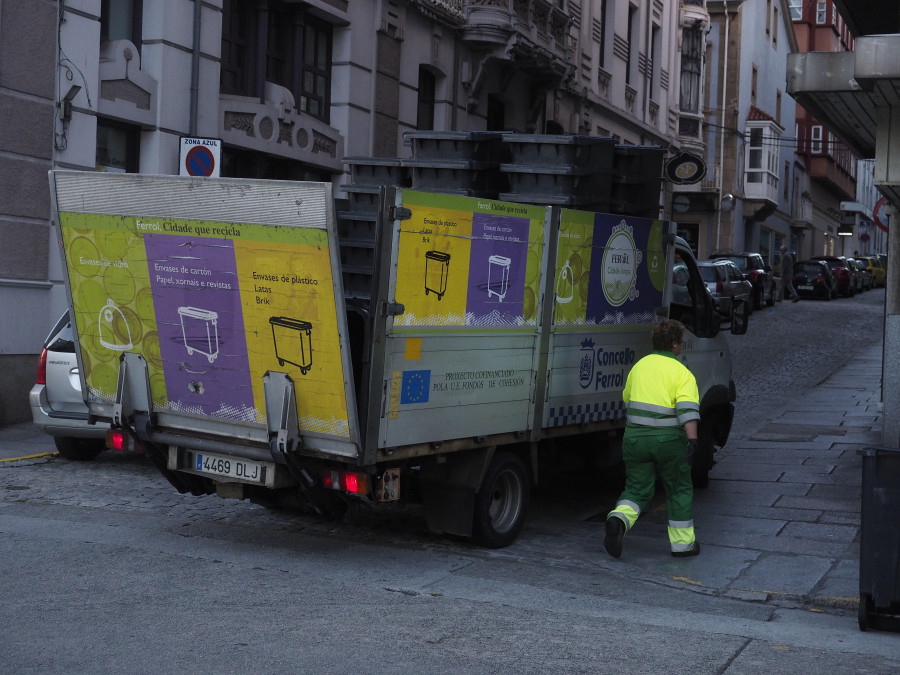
point(229, 467)
point(804, 288)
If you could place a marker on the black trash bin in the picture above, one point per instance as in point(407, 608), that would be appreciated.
point(879, 559)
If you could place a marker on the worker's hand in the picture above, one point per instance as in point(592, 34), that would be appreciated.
point(693, 451)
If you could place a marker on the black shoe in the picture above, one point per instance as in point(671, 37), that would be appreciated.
point(688, 553)
point(615, 533)
point(796, 300)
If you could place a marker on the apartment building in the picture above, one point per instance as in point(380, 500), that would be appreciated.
point(291, 88)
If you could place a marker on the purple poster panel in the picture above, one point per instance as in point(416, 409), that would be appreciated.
point(497, 262)
point(201, 326)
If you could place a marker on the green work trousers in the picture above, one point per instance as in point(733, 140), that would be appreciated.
point(649, 455)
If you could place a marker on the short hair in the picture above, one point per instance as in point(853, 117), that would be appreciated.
point(666, 333)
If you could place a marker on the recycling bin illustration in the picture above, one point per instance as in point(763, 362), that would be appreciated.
point(293, 341)
point(200, 330)
point(436, 266)
point(498, 276)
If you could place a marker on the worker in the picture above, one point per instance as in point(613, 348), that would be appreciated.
point(660, 438)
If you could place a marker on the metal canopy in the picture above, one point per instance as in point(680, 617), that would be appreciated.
point(870, 17)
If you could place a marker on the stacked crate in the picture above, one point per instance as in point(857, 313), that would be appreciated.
point(356, 225)
point(455, 162)
point(637, 180)
point(573, 171)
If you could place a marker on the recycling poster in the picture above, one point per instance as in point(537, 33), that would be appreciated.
point(468, 262)
point(212, 307)
point(610, 270)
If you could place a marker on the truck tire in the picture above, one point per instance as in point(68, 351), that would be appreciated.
point(78, 449)
point(501, 502)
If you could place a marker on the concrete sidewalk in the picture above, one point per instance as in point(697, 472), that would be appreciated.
point(781, 517)
point(780, 520)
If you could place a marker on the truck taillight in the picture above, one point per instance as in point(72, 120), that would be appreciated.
point(116, 439)
point(42, 367)
point(346, 481)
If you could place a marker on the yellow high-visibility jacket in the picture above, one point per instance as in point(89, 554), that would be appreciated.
point(661, 395)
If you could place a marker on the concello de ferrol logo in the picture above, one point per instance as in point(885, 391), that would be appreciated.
point(621, 259)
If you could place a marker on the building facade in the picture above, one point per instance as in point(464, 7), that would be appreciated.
point(292, 88)
point(752, 195)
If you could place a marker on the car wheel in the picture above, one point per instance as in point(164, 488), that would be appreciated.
point(78, 449)
point(757, 299)
point(771, 300)
point(501, 502)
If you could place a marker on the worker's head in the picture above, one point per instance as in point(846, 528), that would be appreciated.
point(667, 335)
point(783, 248)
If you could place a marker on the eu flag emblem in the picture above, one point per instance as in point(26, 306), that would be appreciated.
point(415, 385)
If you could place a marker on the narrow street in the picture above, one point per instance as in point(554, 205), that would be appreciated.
point(107, 568)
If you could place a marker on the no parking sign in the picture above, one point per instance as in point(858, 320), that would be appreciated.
point(200, 156)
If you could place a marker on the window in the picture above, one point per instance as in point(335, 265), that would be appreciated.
point(600, 33)
point(821, 11)
point(691, 62)
point(815, 146)
point(633, 42)
point(425, 110)
point(118, 147)
point(121, 20)
point(796, 7)
point(778, 106)
point(294, 51)
point(785, 182)
point(768, 17)
point(775, 27)
point(315, 89)
point(754, 83)
point(761, 163)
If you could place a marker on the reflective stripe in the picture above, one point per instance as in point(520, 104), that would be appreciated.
point(690, 405)
point(681, 535)
point(651, 407)
point(680, 524)
point(626, 511)
point(653, 421)
point(687, 417)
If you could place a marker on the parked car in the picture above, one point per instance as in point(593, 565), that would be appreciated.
point(757, 272)
point(876, 269)
point(865, 276)
point(726, 283)
point(813, 278)
point(844, 273)
point(57, 405)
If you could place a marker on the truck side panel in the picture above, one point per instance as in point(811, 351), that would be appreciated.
point(213, 283)
point(463, 353)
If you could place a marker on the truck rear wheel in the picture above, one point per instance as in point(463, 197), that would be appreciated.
point(78, 449)
point(501, 502)
point(704, 462)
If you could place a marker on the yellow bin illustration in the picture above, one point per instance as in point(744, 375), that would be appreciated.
point(436, 264)
point(293, 341)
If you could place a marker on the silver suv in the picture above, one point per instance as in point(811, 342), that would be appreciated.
point(57, 405)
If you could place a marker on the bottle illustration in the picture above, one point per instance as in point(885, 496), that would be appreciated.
point(114, 331)
point(565, 284)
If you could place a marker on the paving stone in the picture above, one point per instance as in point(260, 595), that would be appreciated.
point(793, 574)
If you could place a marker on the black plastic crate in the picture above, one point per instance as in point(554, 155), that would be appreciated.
point(454, 145)
point(557, 180)
point(638, 162)
point(460, 176)
point(377, 171)
point(555, 150)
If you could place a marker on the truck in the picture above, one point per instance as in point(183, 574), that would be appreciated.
point(439, 353)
